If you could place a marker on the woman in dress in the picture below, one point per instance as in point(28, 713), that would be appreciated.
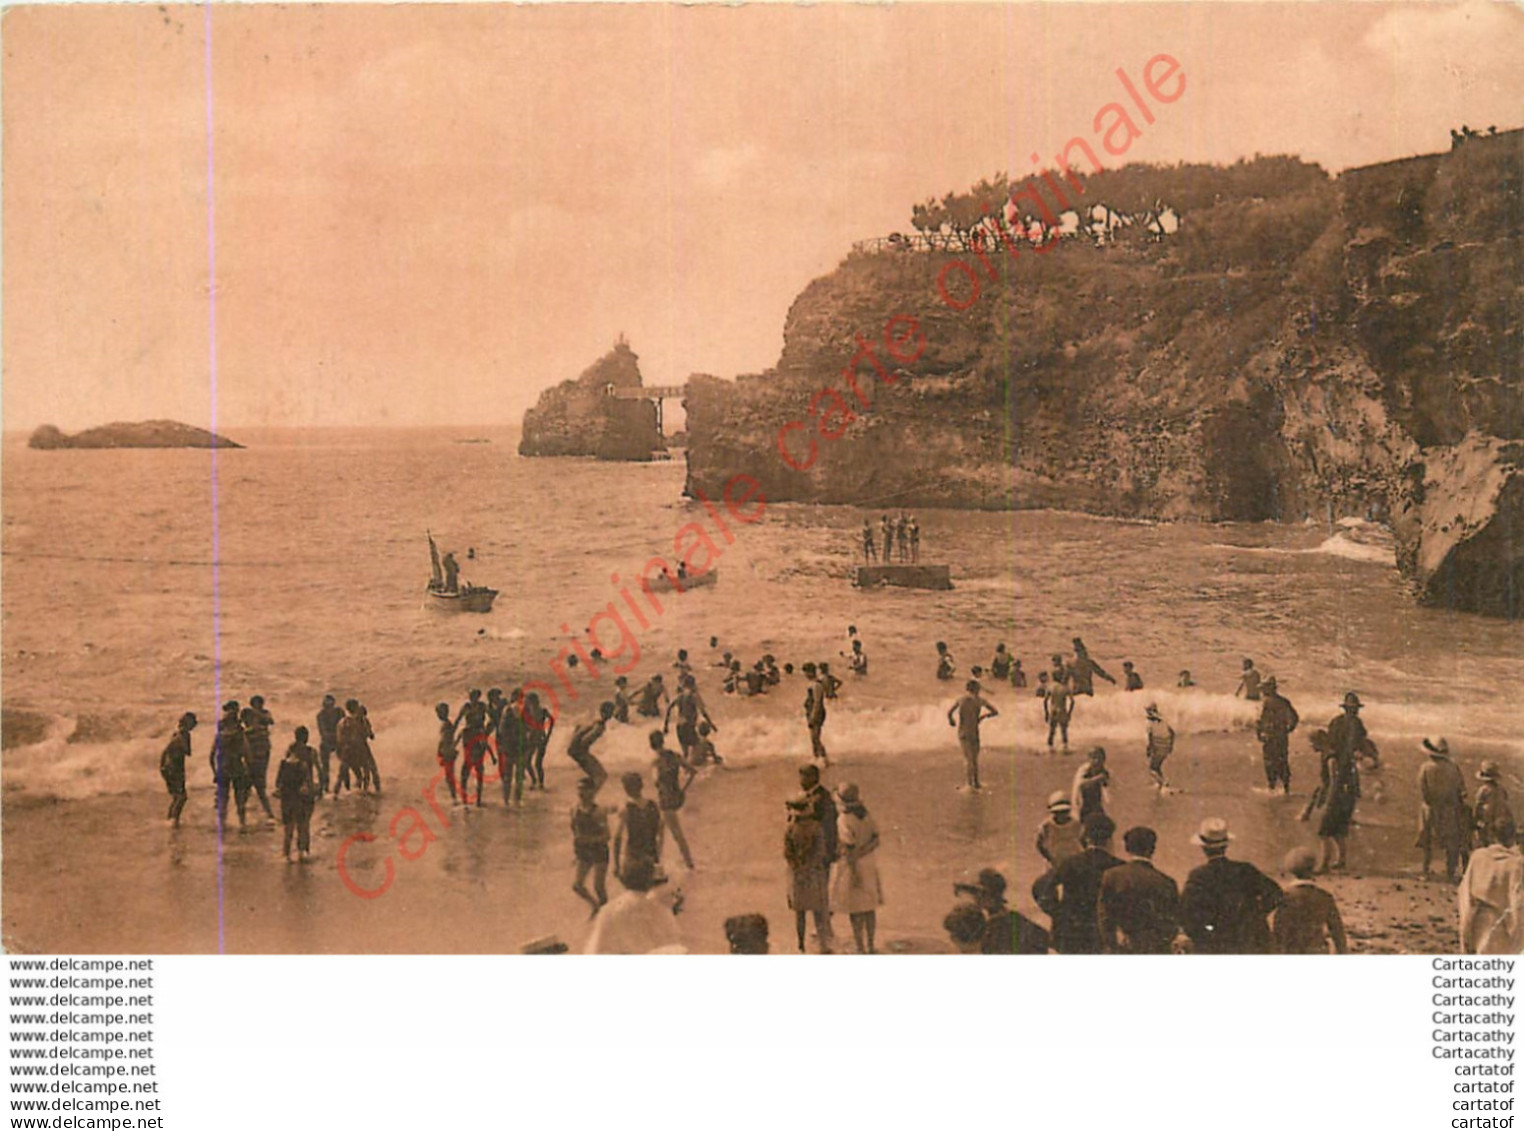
point(804, 849)
point(1340, 789)
point(856, 888)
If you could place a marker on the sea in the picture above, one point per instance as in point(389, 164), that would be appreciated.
point(136, 585)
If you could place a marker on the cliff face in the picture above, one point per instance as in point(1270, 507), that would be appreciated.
point(1281, 355)
point(580, 418)
point(140, 434)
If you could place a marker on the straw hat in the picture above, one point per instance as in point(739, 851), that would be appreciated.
point(1352, 700)
point(1437, 746)
point(1213, 833)
point(1058, 801)
point(1490, 771)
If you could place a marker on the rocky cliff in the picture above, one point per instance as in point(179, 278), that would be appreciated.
point(580, 418)
point(139, 434)
point(1304, 347)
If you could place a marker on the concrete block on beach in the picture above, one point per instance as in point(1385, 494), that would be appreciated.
point(905, 576)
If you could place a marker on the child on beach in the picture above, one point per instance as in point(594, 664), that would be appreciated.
point(1131, 680)
point(945, 666)
point(703, 750)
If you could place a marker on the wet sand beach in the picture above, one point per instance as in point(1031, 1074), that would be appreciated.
point(107, 875)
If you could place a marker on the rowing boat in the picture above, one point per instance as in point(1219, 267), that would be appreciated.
point(665, 582)
point(466, 599)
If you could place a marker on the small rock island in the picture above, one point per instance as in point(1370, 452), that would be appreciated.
point(136, 434)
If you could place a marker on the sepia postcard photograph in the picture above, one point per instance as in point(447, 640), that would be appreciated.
point(846, 479)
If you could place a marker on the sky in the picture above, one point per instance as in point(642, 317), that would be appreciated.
point(256, 215)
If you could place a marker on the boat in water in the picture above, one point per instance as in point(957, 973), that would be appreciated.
point(456, 598)
point(666, 582)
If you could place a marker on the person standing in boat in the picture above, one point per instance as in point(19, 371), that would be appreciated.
point(452, 572)
point(328, 717)
point(869, 554)
point(915, 540)
point(886, 531)
point(902, 536)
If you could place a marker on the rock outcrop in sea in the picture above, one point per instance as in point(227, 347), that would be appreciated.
point(136, 434)
point(582, 418)
point(1290, 346)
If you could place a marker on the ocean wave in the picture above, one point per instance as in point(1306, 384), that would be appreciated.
point(407, 734)
point(1375, 551)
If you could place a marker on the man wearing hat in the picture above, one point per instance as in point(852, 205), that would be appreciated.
point(1308, 918)
point(1139, 909)
point(1071, 893)
point(1277, 719)
point(1347, 736)
point(1058, 838)
point(1225, 902)
point(1443, 818)
point(1494, 813)
point(1004, 931)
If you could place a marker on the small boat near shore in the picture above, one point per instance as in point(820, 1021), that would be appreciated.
point(466, 599)
point(666, 582)
point(448, 595)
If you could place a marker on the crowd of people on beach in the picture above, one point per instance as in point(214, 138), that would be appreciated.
point(240, 756)
point(1095, 901)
